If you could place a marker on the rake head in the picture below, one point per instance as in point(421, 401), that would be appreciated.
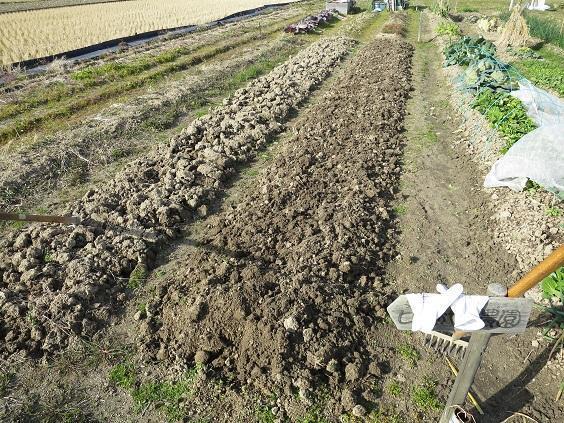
point(445, 344)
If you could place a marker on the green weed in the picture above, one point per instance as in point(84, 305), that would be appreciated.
point(162, 120)
point(425, 396)
point(532, 187)
point(60, 407)
point(400, 209)
point(395, 389)
point(264, 414)
point(251, 172)
point(554, 212)
point(251, 72)
point(165, 396)
point(142, 307)
point(265, 155)
point(118, 153)
point(48, 257)
point(314, 415)
point(31, 317)
point(409, 354)
point(202, 111)
point(5, 380)
point(469, 10)
point(138, 276)
point(15, 225)
point(123, 375)
point(545, 29)
point(430, 136)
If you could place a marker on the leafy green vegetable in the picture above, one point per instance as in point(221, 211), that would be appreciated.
point(505, 113)
point(523, 52)
point(489, 73)
point(450, 29)
point(468, 49)
point(553, 285)
point(547, 74)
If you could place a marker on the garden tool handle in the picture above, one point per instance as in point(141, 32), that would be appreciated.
point(68, 220)
point(549, 265)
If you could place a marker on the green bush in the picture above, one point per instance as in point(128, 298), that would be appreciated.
point(425, 396)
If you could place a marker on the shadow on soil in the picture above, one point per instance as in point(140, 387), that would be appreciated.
point(515, 395)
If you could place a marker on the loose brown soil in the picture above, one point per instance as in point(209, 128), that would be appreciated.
point(281, 293)
point(447, 235)
point(124, 223)
point(241, 270)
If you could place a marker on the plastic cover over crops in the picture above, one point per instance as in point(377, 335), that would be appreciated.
point(539, 155)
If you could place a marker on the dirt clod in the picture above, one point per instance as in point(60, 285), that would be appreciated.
point(289, 307)
point(128, 219)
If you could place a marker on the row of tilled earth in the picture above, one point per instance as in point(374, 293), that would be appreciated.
point(58, 281)
point(284, 292)
point(59, 160)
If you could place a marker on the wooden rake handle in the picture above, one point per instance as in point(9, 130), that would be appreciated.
point(68, 220)
point(549, 265)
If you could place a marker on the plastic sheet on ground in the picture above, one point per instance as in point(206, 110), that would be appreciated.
point(539, 155)
point(538, 5)
point(543, 107)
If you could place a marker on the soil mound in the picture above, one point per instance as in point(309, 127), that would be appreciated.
point(287, 290)
point(56, 282)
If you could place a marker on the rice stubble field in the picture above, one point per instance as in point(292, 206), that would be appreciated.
point(38, 33)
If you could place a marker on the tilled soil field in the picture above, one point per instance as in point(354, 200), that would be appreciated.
point(71, 156)
point(71, 280)
point(285, 292)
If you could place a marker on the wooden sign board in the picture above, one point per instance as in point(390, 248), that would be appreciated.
point(500, 314)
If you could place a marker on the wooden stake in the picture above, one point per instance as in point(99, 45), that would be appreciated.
point(419, 32)
point(67, 220)
point(470, 396)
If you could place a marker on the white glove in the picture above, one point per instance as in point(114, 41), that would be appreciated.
point(466, 310)
point(427, 308)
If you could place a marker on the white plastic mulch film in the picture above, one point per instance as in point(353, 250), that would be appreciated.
point(538, 5)
point(539, 155)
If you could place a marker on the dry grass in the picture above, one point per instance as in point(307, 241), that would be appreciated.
point(396, 24)
point(38, 33)
point(515, 32)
